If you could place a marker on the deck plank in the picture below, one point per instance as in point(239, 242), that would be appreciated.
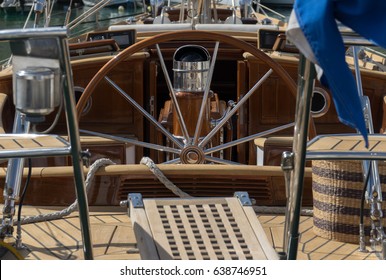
point(123, 239)
point(277, 237)
point(101, 236)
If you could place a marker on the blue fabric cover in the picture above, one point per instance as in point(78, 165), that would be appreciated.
point(317, 19)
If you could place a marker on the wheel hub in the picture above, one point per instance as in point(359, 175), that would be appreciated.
point(192, 155)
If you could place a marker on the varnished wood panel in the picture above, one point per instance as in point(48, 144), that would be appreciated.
point(272, 105)
point(110, 112)
point(374, 86)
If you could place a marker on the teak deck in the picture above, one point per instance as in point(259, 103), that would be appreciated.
point(113, 237)
point(347, 146)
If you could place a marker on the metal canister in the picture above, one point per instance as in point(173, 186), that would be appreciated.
point(190, 67)
point(34, 92)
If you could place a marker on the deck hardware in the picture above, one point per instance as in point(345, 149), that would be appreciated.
point(243, 198)
point(136, 200)
point(287, 161)
point(362, 239)
point(124, 203)
point(86, 156)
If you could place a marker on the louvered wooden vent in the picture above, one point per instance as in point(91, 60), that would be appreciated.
point(259, 189)
point(198, 228)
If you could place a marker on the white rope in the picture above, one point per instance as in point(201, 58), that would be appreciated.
point(158, 173)
point(74, 206)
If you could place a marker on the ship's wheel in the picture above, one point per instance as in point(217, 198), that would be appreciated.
point(190, 146)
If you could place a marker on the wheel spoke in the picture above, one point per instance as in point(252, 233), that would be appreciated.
point(133, 142)
point(247, 138)
point(221, 161)
point(180, 118)
point(176, 160)
point(145, 113)
point(234, 109)
point(205, 98)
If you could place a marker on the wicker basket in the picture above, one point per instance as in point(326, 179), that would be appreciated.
point(337, 187)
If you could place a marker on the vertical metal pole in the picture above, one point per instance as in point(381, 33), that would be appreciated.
point(74, 138)
point(306, 76)
point(287, 165)
point(358, 79)
point(13, 179)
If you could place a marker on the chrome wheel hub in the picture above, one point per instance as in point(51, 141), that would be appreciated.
point(192, 155)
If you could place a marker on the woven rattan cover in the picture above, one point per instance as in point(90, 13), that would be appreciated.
point(337, 189)
point(206, 229)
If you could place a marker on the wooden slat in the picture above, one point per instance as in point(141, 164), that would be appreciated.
point(101, 237)
point(381, 145)
point(329, 246)
point(143, 234)
point(220, 247)
point(345, 250)
point(6, 144)
point(228, 226)
point(314, 244)
point(210, 253)
point(373, 145)
point(49, 141)
point(108, 219)
point(122, 239)
point(179, 244)
point(277, 236)
point(347, 145)
point(325, 144)
point(156, 230)
point(266, 246)
point(191, 232)
point(27, 143)
point(266, 219)
point(249, 235)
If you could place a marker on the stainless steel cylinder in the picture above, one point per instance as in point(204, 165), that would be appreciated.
point(190, 67)
point(34, 92)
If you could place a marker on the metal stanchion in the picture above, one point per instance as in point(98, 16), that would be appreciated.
point(306, 76)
